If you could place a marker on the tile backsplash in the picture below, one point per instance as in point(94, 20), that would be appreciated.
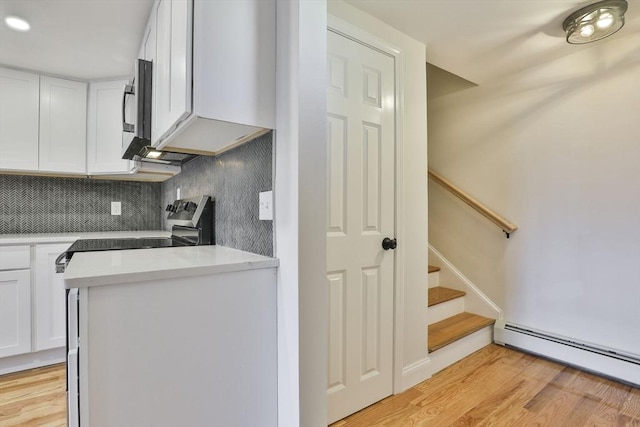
point(234, 179)
point(33, 204)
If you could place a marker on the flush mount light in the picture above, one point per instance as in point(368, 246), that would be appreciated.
point(17, 24)
point(595, 22)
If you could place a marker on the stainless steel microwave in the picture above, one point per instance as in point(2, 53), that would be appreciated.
point(136, 111)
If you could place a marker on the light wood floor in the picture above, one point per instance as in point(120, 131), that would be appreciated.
point(35, 398)
point(495, 386)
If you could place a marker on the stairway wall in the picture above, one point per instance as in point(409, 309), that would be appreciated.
point(555, 150)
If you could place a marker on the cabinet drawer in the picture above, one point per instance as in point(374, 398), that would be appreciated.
point(15, 257)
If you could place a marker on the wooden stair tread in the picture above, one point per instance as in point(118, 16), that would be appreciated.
point(433, 269)
point(439, 295)
point(454, 328)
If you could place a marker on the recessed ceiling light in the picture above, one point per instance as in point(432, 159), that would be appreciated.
point(17, 24)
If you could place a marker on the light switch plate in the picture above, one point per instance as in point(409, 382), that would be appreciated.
point(266, 205)
point(116, 208)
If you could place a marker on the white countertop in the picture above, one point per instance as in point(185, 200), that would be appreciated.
point(26, 239)
point(136, 265)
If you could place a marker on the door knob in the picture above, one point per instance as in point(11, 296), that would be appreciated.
point(388, 243)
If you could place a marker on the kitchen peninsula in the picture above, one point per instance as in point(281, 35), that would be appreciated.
point(173, 336)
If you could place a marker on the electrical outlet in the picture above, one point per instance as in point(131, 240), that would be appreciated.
point(116, 208)
point(266, 206)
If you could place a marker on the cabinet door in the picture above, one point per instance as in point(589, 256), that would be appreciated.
point(148, 47)
point(148, 53)
point(173, 63)
point(104, 129)
point(63, 125)
point(19, 94)
point(50, 298)
point(15, 312)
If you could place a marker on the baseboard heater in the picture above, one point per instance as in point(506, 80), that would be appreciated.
point(574, 344)
point(605, 361)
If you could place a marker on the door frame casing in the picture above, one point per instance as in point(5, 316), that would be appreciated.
point(367, 39)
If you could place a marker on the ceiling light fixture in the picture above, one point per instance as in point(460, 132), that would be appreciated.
point(17, 24)
point(595, 22)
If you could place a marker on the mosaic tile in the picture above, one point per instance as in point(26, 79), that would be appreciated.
point(33, 204)
point(30, 204)
point(234, 179)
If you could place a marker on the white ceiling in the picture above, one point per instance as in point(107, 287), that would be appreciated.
point(487, 40)
point(82, 39)
point(479, 40)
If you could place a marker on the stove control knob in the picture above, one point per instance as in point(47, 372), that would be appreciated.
point(170, 208)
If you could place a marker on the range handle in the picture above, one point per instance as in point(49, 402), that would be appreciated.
point(60, 265)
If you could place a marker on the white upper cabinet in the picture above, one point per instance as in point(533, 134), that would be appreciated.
point(234, 46)
point(172, 66)
point(148, 48)
point(63, 126)
point(104, 129)
point(43, 123)
point(214, 73)
point(19, 107)
point(148, 53)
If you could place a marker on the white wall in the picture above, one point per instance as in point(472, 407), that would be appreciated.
point(300, 198)
point(412, 198)
point(555, 149)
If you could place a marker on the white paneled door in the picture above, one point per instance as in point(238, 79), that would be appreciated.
point(361, 206)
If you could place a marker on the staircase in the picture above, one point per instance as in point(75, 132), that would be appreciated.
point(453, 333)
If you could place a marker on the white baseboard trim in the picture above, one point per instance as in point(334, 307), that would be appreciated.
point(415, 373)
point(22, 362)
point(623, 368)
point(458, 350)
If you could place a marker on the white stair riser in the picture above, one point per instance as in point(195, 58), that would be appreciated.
point(458, 350)
point(476, 301)
point(434, 279)
point(445, 310)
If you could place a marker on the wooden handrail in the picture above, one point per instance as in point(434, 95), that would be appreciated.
point(507, 226)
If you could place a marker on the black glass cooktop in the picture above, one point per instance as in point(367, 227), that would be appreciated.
point(90, 245)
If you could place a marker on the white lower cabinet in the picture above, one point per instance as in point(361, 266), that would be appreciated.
point(50, 327)
point(15, 312)
point(15, 301)
point(32, 307)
